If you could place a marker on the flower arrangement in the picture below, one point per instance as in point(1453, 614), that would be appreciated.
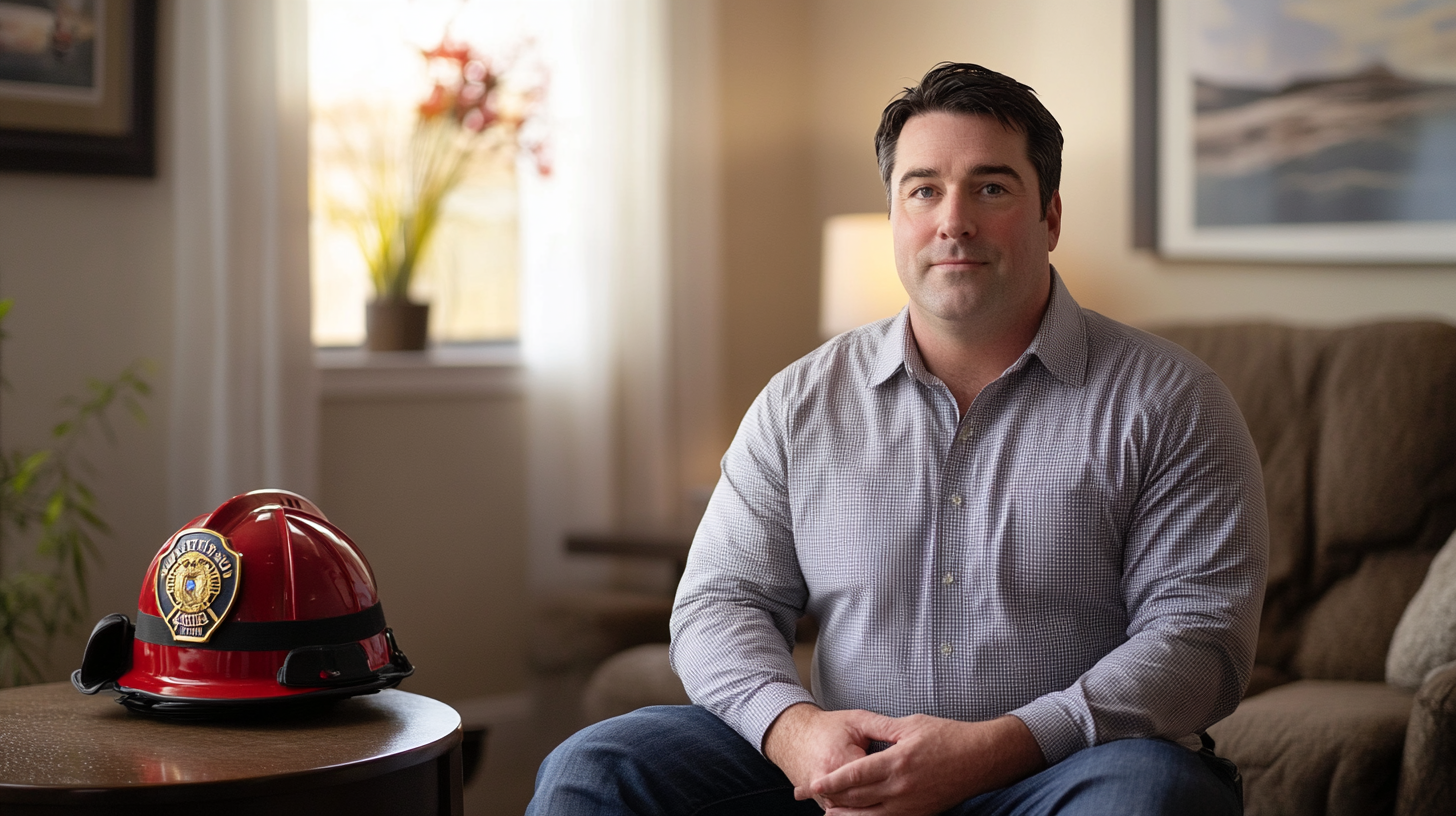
point(476, 107)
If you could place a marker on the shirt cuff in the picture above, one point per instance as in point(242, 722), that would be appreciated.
point(1056, 733)
point(759, 712)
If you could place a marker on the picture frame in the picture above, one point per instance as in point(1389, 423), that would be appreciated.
point(78, 88)
point(1317, 157)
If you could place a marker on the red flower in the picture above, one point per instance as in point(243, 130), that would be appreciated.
point(435, 104)
point(478, 119)
point(476, 70)
point(446, 50)
point(467, 86)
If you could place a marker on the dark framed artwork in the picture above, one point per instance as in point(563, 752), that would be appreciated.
point(78, 86)
point(1295, 130)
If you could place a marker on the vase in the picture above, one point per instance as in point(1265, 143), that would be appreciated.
point(396, 325)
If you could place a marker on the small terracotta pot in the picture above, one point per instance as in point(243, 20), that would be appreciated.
point(396, 325)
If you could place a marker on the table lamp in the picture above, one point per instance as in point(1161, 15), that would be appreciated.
point(859, 284)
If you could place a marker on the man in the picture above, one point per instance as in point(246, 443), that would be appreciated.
point(1034, 538)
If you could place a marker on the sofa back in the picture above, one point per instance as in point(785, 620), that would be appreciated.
point(1356, 430)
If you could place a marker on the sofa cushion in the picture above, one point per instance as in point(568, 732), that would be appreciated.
point(1426, 636)
point(1318, 748)
point(1358, 446)
point(626, 681)
point(643, 676)
point(1273, 373)
point(1428, 773)
point(1348, 630)
point(1385, 464)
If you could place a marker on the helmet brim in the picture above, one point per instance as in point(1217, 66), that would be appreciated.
point(158, 705)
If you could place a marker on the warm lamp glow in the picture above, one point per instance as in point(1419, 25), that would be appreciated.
point(859, 285)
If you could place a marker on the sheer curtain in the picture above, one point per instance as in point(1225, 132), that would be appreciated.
point(597, 300)
point(244, 405)
point(596, 317)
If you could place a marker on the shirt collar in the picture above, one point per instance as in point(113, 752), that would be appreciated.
point(896, 347)
point(1060, 343)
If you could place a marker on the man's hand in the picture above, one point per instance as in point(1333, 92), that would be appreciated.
point(808, 743)
point(933, 764)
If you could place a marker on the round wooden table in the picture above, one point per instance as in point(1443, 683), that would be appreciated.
point(387, 753)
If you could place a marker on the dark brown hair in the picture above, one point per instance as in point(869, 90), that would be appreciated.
point(960, 87)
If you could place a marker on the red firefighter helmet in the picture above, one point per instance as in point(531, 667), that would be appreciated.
point(261, 601)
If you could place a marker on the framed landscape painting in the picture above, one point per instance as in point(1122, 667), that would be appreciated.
point(1306, 130)
point(78, 86)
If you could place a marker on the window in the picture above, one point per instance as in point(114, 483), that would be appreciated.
point(367, 79)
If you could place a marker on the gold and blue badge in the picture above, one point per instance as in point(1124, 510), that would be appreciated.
point(197, 580)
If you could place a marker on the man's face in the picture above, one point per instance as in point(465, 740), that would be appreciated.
point(971, 246)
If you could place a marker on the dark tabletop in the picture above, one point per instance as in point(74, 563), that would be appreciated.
point(52, 738)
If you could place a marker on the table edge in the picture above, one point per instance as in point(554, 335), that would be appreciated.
point(312, 778)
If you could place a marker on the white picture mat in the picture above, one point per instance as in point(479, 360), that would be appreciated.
point(1180, 237)
point(68, 94)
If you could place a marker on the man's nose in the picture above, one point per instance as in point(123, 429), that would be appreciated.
point(957, 218)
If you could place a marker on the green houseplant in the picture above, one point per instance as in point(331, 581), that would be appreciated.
point(46, 504)
point(473, 110)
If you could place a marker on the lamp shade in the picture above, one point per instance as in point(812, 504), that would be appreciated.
point(859, 284)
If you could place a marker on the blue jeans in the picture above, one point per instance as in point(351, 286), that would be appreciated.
point(684, 761)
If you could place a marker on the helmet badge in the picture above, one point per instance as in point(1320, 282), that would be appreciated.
point(197, 580)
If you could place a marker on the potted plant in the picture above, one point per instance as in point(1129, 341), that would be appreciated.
point(474, 109)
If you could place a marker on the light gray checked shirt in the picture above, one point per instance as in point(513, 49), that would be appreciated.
point(1085, 549)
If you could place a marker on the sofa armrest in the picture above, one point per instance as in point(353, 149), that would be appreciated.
point(1428, 770)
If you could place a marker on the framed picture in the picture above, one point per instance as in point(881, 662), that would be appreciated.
point(78, 86)
point(1292, 130)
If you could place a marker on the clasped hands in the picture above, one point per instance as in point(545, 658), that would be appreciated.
point(932, 764)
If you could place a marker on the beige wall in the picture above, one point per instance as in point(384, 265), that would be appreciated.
point(769, 226)
point(88, 261)
point(844, 59)
point(432, 490)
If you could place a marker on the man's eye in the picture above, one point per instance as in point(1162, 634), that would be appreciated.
point(993, 189)
point(922, 192)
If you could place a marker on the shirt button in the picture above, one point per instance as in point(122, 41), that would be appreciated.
point(948, 578)
point(955, 499)
point(964, 434)
point(946, 649)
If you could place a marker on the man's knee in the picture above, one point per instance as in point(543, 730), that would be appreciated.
point(591, 770)
point(652, 760)
point(1144, 776)
point(612, 748)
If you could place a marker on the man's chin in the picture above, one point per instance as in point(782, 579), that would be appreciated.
point(960, 307)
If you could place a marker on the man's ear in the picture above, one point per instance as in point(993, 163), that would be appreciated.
point(1054, 220)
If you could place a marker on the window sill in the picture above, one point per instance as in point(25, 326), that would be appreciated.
point(448, 371)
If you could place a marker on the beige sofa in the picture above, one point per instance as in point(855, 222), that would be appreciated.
point(1356, 429)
